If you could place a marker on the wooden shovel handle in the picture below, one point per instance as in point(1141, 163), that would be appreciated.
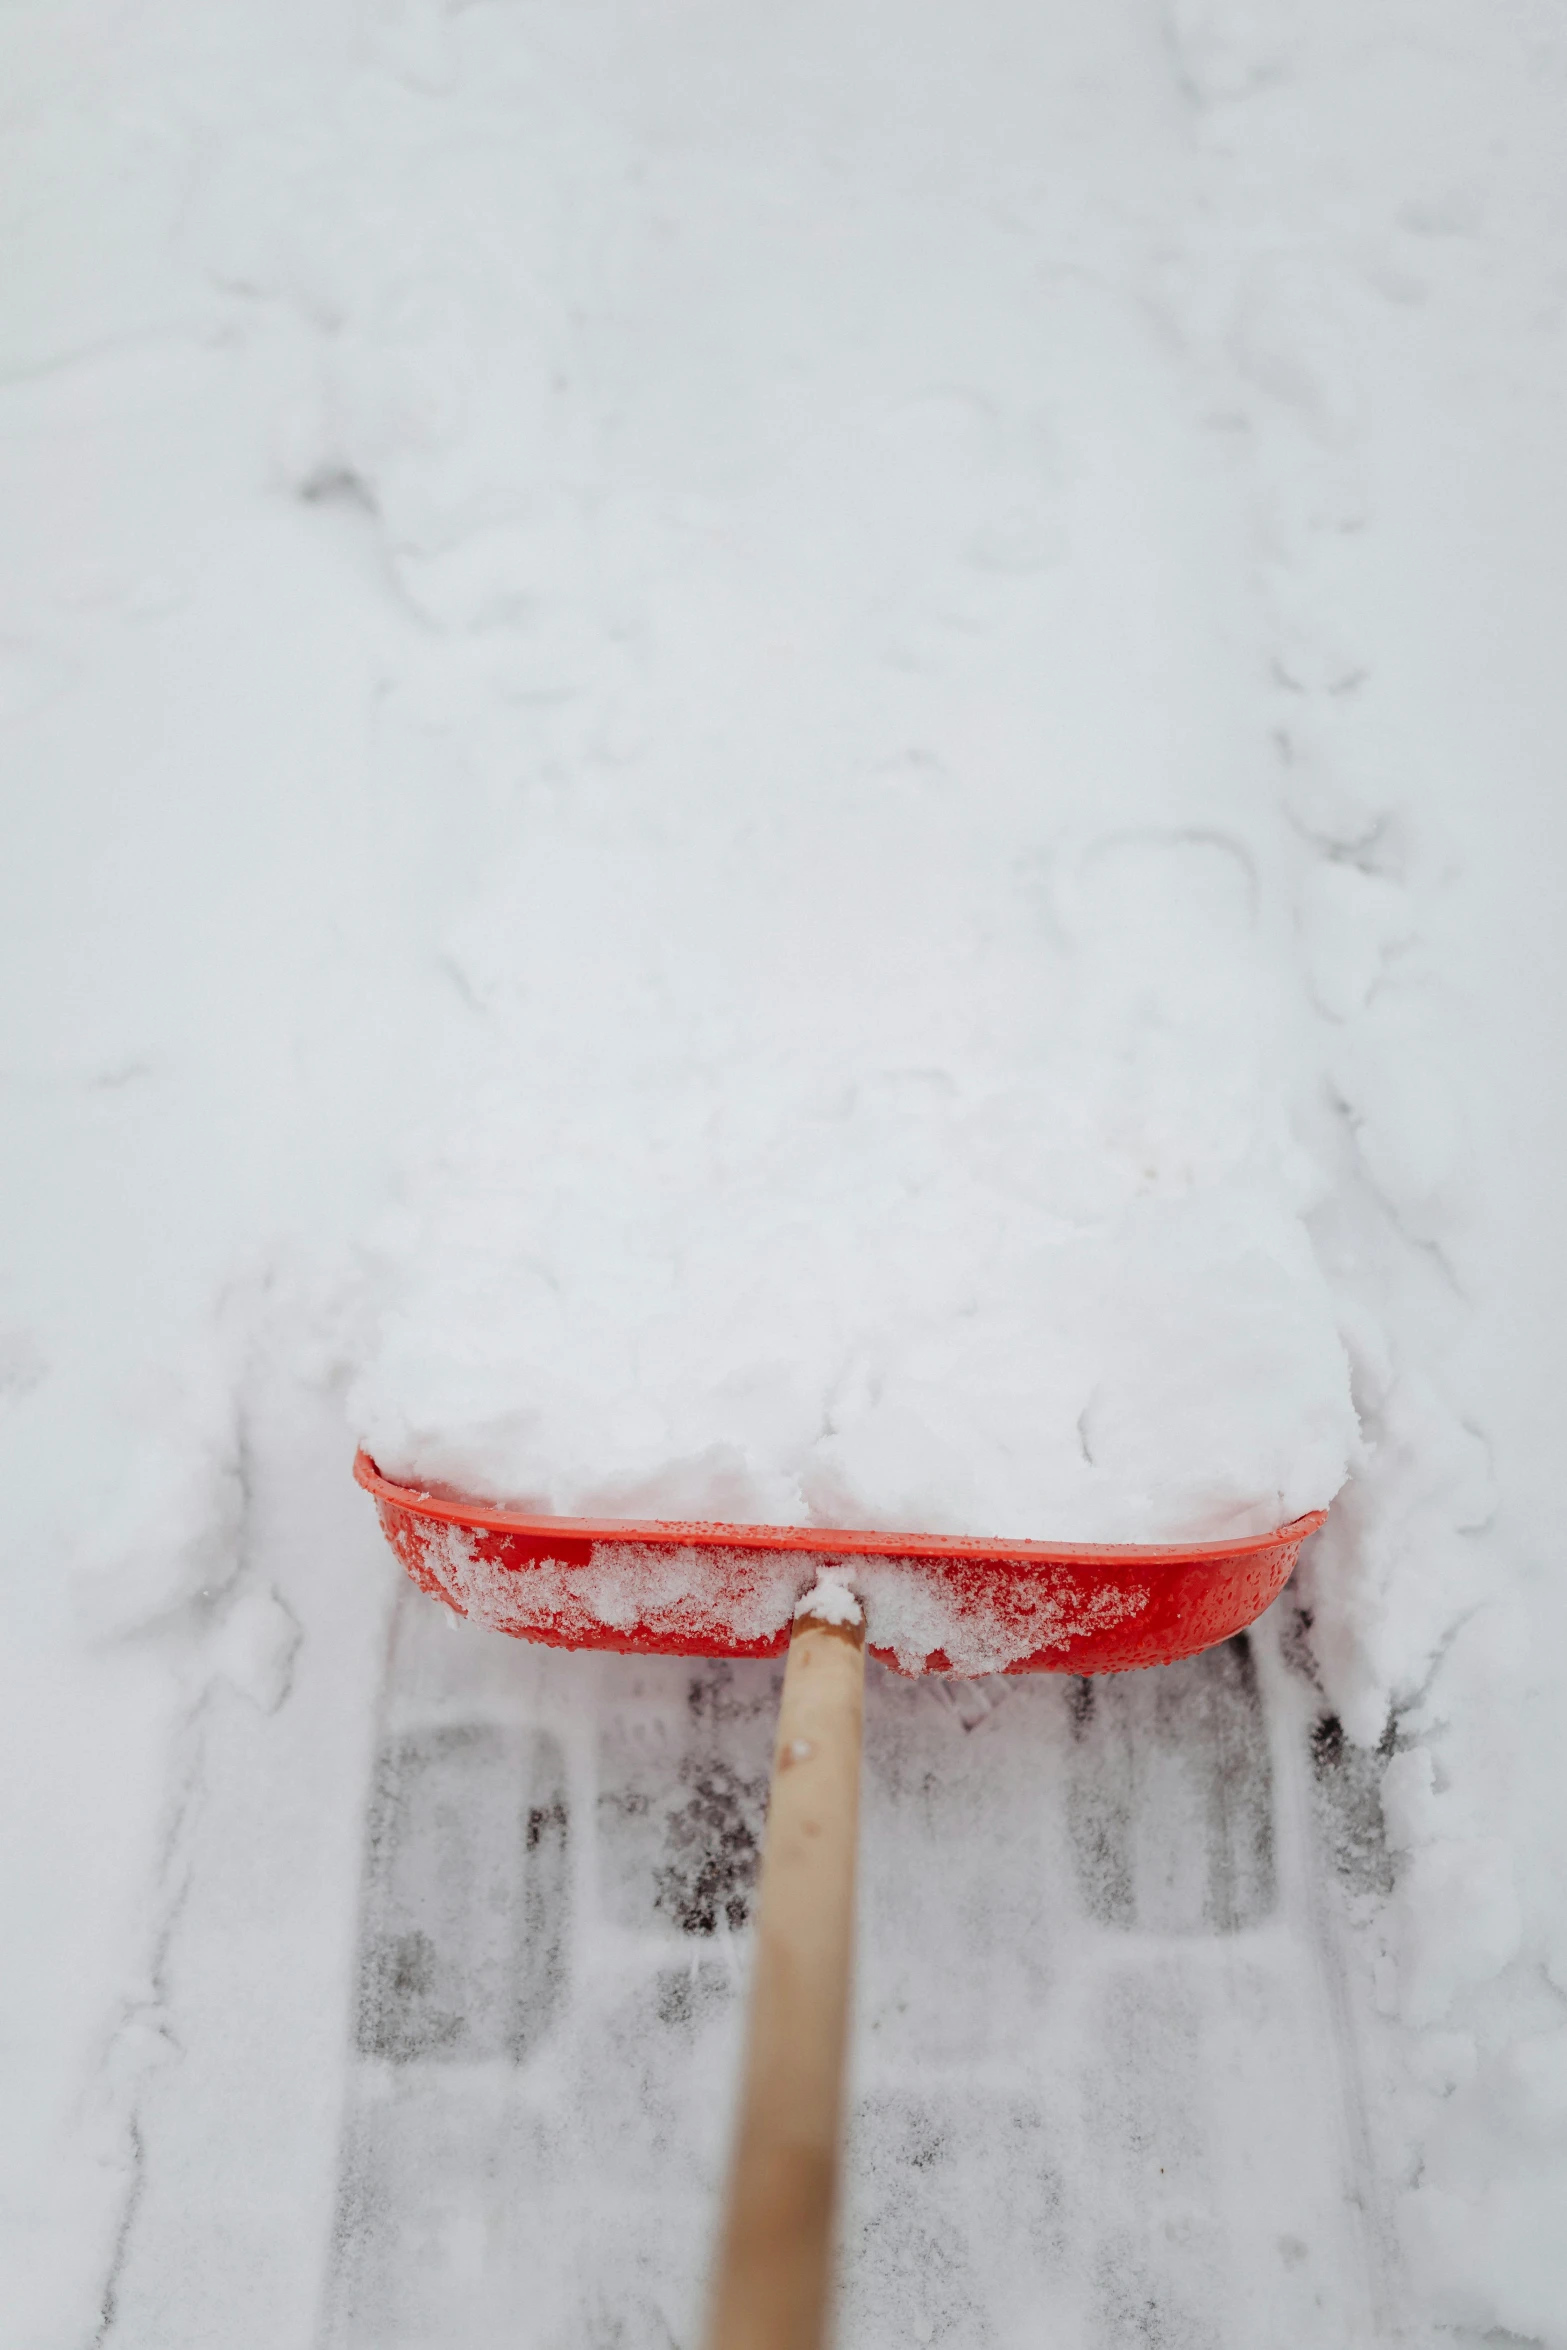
point(775, 2256)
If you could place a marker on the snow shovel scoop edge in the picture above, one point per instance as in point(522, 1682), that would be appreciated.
point(1095, 1607)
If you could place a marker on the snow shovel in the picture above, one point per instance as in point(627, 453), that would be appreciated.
point(710, 1590)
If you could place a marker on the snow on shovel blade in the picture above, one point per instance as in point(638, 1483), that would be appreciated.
point(934, 1603)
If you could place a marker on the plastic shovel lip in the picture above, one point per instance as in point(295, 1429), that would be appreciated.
point(1038, 1606)
point(819, 1541)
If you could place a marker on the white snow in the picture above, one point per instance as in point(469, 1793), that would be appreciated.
point(608, 610)
point(831, 1599)
point(884, 1305)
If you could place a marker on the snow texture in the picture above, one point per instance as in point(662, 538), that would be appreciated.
point(674, 1593)
point(895, 1309)
point(602, 609)
point(831, 1599)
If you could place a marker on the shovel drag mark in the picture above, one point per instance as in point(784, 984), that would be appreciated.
point(460, 1953)
point(1076, 1940)
point(462, 1978)
point(1347, 1791)
point(557, 1852)
point(1170, 1805)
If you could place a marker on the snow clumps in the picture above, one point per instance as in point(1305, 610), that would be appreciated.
point(899, 1304)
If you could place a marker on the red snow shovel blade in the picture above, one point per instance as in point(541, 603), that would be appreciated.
point(665, 1587)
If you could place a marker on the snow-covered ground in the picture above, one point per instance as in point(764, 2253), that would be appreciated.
point(555, 548)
